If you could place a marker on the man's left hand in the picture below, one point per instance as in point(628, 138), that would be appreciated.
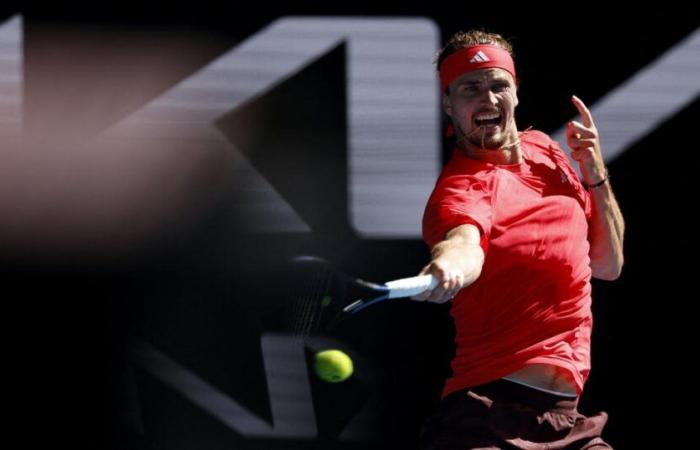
point(584, 142)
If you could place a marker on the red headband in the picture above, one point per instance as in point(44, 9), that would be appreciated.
point(473, 58)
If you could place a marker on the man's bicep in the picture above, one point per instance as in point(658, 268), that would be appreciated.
point(467, 239)
point(468, 233)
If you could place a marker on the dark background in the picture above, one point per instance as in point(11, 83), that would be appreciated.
point(199, 289)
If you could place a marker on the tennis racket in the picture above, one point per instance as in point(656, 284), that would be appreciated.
point(326, 295)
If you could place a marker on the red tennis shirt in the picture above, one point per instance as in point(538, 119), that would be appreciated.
point(532, 302)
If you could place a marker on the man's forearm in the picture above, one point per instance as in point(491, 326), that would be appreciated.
point(466, 244)
point(606, 234)
point(456, 262)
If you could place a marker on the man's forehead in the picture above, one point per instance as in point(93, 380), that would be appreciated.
point(481, 75)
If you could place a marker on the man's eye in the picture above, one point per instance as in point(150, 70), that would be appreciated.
point(500, 87)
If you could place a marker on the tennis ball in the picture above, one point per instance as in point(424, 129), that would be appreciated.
point(333, 366)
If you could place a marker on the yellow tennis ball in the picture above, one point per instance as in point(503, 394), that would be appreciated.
point(333, 366)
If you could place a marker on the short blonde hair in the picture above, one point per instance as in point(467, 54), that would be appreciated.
point(463, 39)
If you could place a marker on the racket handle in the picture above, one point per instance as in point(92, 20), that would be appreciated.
point(407, 287)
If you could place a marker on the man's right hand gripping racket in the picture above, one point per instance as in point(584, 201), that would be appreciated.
point(328, 294)
point(401, 288)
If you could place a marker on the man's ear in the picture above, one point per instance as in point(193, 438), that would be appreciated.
point(517, 88)
point(446, 105)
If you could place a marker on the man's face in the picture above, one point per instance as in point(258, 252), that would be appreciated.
point(482, 107)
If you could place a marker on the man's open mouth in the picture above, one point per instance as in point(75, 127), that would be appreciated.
point(487, 119)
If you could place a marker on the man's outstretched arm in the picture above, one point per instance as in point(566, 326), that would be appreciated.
point(456, 262)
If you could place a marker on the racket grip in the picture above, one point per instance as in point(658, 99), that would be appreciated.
point(407, 287)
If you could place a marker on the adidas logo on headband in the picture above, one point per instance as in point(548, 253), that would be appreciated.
point(480, 57)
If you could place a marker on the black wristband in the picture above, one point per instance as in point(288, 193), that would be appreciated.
point(598, 184)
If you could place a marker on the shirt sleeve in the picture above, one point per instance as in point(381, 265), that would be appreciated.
point(458, 200)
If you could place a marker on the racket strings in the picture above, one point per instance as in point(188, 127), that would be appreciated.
point(307, 312)
point(300, 306)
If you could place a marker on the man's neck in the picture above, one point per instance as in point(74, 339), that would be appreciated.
point(511, 153)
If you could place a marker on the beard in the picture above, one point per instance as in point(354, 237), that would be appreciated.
point(483, 138)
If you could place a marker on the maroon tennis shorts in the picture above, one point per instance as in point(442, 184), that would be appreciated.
point(506, 415)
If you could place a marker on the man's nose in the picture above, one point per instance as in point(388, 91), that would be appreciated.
point(488, 96)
